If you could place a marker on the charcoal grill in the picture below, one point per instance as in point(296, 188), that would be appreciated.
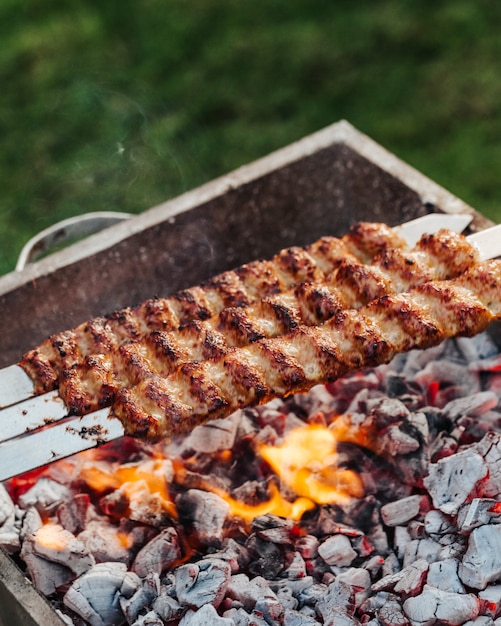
point(316, 186)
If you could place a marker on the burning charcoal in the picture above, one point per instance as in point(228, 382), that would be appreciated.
point(296, 586)
point(474, 405)
point(482, 620)
point(295, 618)
point(481, 563)
point(159, 554)
point(133, 605)
point(167, 607)
point(438, 523)
point(418, 421)
point(351, 384)
point(311, 595)
point(10, 533)
point(452, 376)
point(53, 543)
point(203, 617)
point(337, 550)
point(374, 565)
point(375, 602)
point(317, 399)
point(213, 437)
point(248, 592)
point(452, 479)
point(385, 411)
point(206, 513)
point(238, 617)
point(360, 581)
point(444, 575)
point(297, 567)
point(421, 549)
point(286, 597)
point(47, 576)
point(477, 427)
point(338, 617)
point(407, 582)
point(435, 606)
point(490, 449)
point(478, 512)
point(271, 609)
point(490, 600)
point(73, 515)
point(378, 538)
point(412, 579)
point(481, 346)
point(387, 583)
point(392, 614)
point(150, 619)
point(104, 543)
point(402, 540)
point(10, 536)
point(411, 467)
point(202, 582)
point(454, 549)
point(307, 546)
point(7, 508)
point(416, 529)
point(247, 427)
point(46, 495)
point(363, 546)
point(395, 441)
point(136, 501)
point(234, 554)
point(256, 619)
point(327, 522)
point(266, 557)
point(338, 601)
point(292, 421)
point(273, 528)
point(275, 418)
point(401, 511)
point(95, 595)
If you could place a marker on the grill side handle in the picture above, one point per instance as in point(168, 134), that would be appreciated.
point(65, 232)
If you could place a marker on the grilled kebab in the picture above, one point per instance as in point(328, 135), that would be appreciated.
point(427, 314)
point(235, 288)
point(333, 279)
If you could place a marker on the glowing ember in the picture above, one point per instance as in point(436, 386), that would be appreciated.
point(135, 480)
point(52, 536)
point(308, 463)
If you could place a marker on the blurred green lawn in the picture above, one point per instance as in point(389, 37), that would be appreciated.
point(109, 105)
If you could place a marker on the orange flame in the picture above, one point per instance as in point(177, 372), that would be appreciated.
point(276, 505)
point(147, 477)
point(308, 463)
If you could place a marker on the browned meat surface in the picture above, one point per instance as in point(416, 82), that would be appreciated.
point(93, 383)
point(160, 407)
point(240, 287)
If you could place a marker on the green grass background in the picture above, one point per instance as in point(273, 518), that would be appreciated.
point(120, 105)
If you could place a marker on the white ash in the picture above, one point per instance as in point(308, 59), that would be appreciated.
point(403, 510)
point(159, 554)
point(451, 480)
point(46, 495)
point(434, 606)
point(420, 547)
point(206, 513)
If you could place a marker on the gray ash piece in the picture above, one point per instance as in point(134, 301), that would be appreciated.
point(420, 546)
